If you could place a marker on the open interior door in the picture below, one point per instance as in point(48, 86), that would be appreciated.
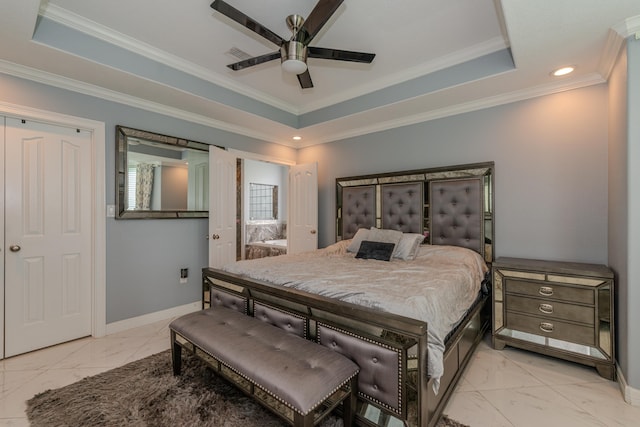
point(222, 207)
point(302, 227)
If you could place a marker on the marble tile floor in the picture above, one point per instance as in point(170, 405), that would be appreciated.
point(510, 388)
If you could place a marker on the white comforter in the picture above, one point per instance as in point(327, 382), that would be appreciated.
point(437, 287)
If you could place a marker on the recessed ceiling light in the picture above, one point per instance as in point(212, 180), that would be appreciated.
point(297, 138)
point(563, 71)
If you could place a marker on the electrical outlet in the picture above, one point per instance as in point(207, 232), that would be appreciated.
point(184, 274)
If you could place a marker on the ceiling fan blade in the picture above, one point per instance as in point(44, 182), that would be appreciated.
point(254, 61)
point(233, 13)
point(305, 80)
point(316, 19)
point(339, 55)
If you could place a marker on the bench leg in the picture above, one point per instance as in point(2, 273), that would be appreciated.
point(349, 403)
point(303, 420)
point(176, 354)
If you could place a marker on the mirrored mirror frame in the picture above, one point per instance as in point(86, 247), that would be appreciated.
point(122, 136)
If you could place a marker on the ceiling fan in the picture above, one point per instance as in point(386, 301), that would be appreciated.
point(294, 52)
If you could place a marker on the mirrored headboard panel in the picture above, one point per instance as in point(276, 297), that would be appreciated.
point(160, 176)
point(402, 201)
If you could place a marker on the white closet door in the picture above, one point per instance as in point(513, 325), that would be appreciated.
point(222, 207)
point(302, 227)
point(48, 235)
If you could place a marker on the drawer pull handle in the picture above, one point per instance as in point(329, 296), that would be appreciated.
point(546, 327)
point(546, 291)
point(546, 308)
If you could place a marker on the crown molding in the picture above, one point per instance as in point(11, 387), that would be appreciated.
point(108, 35)
point(455, 58)
point(91, 90)
point(494, 101)
point(79, 23)
point(54, 80)
point(615, 40)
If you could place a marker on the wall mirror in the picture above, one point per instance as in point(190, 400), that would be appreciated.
point(160, 176)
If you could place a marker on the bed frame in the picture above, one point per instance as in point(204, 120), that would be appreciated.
point(451, 206)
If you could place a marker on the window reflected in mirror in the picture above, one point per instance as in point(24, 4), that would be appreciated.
point(263, 201)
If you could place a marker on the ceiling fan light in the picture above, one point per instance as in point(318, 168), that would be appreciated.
point(294, 66)
point(294, 57)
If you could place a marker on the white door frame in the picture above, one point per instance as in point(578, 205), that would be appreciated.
point(99, 207)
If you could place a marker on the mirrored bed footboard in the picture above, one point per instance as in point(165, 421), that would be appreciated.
point(391, 350)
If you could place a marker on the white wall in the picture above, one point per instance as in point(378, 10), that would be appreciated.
point(551, 169)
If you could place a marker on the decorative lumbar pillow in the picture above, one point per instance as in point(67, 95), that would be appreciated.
point(407, 248)
point(360, 235)
point(375, 250)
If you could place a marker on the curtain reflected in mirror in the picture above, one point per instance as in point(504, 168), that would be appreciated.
point(143, 186)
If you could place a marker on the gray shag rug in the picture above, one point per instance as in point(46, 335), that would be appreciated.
point(146, 393)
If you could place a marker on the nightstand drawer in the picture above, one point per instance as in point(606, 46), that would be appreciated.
point(550, 290)
point(551, 328)
point(551, 309)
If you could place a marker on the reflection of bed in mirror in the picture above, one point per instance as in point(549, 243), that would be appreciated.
point(265, 238)
point(266, 248)
point(409, 363)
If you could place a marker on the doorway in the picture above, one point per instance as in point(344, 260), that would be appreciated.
point(226, 222)
point(264, 193)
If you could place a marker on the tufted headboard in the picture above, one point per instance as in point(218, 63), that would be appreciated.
point(450, 205)
point(402, 207)
point(456, 213)
point(358, 209)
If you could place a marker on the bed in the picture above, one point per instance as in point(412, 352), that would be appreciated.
point(411, 323)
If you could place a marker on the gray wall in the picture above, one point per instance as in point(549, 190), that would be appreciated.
point(624, 204)
point(551, 169)
point(143, 257)
point(633, 164)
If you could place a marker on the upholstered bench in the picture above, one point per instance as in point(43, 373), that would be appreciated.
point(299, 380)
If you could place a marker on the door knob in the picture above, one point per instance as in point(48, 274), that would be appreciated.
point(313, 231)
point(14, 248)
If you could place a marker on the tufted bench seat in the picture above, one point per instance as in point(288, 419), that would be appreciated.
point(274, 366)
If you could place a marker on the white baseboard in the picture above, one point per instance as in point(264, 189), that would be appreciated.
point(631, 395)
point(146, 319)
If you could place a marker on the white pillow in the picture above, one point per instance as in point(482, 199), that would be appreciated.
point(386, 236)
point(361, 234)
point(407, 248)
